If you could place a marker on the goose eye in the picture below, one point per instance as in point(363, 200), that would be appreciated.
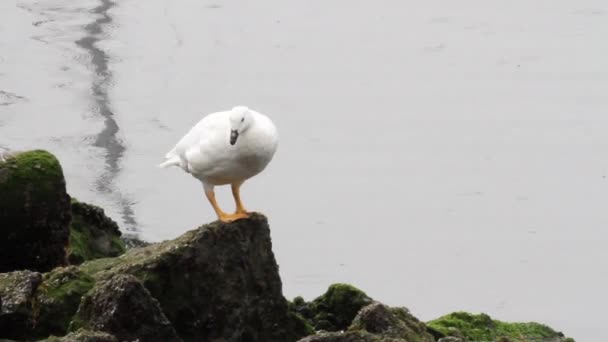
point(242, 119)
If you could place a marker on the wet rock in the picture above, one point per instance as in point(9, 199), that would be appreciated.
point(16, 302)
point(58, 298)
point(450, 339)
point(378, 322)
point(83, 336)
point(122, 307)
point(482, 327)
point(93, 235)
point(335, 309)
point(349, 336)
point(219, 281)
point(34, 212)
point(379, 319)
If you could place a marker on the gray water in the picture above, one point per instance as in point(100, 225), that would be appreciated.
point(439, 155)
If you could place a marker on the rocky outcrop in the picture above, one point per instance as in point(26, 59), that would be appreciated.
point(377, 322)
point(16, 302)
point(470, 327)
point(40, 226)
point(124, 308)
point(388, 322)
point(217, 282)
point(335, 309)
point(220, 281)
point(34, 212)
point(57, 299)
point(93, 235)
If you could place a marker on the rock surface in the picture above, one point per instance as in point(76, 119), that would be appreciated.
point(93, 235)
point(482, 327)
point(377, 322)
point(124, 308)
point(379, 319)
point(450, 339)
point(335, 309)
point(83, 336)
point(217, 282)
point(34, 212)
point(57, 299)
point(220, 281)
point(16, 302)
point(348, 336)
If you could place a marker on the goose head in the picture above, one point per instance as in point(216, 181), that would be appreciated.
point(240, 120)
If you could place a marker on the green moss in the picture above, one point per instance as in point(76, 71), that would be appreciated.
point(58, 298)
point(78, 251)
point(298, 325)
point(35, 212)
point(340, 304)
point(85, 245)
point(33, 167)
point(94, 267)
point(483, 328)
point(93, 235)
point(334, 310)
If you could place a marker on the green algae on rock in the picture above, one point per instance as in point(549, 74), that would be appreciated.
point(34, 212)
point(93, 235)
point(378, 318)
point(219, 281)
point(335, 309)
point(378, 322)
point(57, 299)
point(482, 327)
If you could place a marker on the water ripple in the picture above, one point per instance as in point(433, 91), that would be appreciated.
point(108, 138)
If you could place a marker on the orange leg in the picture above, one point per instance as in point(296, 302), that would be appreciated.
point(236, 193)
point(221, 215)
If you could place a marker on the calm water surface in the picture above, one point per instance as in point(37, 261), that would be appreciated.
point(443, 156)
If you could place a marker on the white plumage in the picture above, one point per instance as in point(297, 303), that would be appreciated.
point(226, 148)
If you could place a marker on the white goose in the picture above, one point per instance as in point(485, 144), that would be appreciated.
point(226, 148)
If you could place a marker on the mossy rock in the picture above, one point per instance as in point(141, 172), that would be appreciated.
point(58, 298)
point(482, 327)
point(93, 235)
point(378, 322)
point(388, 322)
point(220, 281)
point(335, 309)
point(34, 212)
point(217, 282)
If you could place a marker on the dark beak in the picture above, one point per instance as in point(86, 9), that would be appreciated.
point(234, 134)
